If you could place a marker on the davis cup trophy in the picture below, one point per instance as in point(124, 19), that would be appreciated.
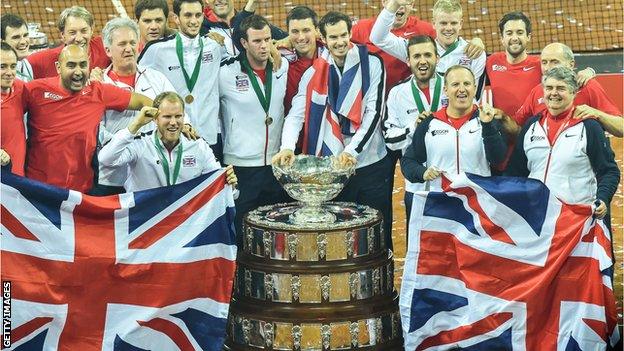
point(314, 275)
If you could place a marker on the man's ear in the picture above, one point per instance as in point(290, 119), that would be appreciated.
point(244, 43)
point(58, 67)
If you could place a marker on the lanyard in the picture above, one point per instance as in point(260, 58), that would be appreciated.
point(165, 164)
point(434, 101)
point(265, 99)
point(450, 48)
point(190, 81)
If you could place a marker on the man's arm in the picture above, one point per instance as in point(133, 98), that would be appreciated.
point(612, 124)
point(296, 116)
point(138, 101)
point(373, 108)
point(602, 160)
point(382, 37)
point(412, 163)
point(397, 131)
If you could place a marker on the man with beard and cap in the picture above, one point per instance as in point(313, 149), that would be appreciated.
point(350, 129)
point(12, 134)
point(121, 37)
point(15, 33)
point(64, 115)
point(144, 155)
point(411, 101)
point(191, 63)
point(252, 110)
point(151, 16)
point(591, 100)
point(76, 26)
point(452, 49)
point(220, 17)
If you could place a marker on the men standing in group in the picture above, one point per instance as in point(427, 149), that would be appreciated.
point(76, 27)
point(64, 114)
point(121, 38)
point(348, 127)
point(447, 21)
point(412, 100)
point(590, 101)
point(151, 15)
point(12, 133)
point(15, 33)
point(252, 109)
point(191, 63)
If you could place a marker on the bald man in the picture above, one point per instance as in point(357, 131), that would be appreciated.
point(590, 101)
point(64, 116)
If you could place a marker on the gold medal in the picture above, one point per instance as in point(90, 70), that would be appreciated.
point(189, 99)
point(268, 120)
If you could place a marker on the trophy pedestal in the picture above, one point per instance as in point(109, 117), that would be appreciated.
point(314, 286)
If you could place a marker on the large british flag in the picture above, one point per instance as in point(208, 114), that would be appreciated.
point(499, 263)
point(150, 270)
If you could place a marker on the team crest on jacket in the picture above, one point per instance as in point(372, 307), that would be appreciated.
point(207, 57)
point(242, 83)
point(189, 161)
point(465, 61)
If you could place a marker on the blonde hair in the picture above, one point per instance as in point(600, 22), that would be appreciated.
point(74, 11)
point(447, 6)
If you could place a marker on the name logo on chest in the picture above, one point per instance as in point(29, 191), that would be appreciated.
point(439, 132)
point(51, 96)
point(537, 138)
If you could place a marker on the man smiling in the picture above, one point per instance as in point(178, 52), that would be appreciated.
point(15, 33)
point(76, 27)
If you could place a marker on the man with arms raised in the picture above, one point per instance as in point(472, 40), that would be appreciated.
point(151, 15)
point(252, 109)
point(191, 63)
point(64, 114)
point(447, 21)
point(590, 101)
point(15, 33)
point(345, 70)
point(412, 100)
point(12, 134)
point(121, 37)
point(147, 156)
point(76, 27)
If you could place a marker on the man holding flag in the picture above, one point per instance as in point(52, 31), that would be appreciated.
point(340, 104)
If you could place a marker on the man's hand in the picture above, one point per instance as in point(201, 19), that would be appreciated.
point(346, 160)
point(189, 132)
point(284, 43)
point(5, 159)
point(583, 77)
point(601, 210)
point(431, 173)
point(421, 117)
point(584, 111)
point(146, 115)
point(275, 57)
point(216, 37)
point(285, 157)
point(486, 113)
point(96, 75)
point(393, 5)
point(475, 48)
point(230, 177)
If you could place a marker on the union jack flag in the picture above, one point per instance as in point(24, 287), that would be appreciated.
point(150, 270)
point(500, 263)
point(334, 105)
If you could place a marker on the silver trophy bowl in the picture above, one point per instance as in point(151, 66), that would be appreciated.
point(313, 180)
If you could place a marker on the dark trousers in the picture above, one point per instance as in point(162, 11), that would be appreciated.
point(258, 187)
point(105, 190)
point(408, 198)
point(369, 186)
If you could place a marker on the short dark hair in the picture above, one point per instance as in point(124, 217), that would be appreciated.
point(6, 47)
point(177, 4)
point(142, 5)
point(331, 18)
point(252, 22)
point(515, 16)
point(301, 13)
point(10, 20)
point(419, 39)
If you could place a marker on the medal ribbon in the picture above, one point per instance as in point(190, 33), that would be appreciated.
point(165, 164)
point(434, 101)
point(265, 99)
point(190, 81)
point(450, 48)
